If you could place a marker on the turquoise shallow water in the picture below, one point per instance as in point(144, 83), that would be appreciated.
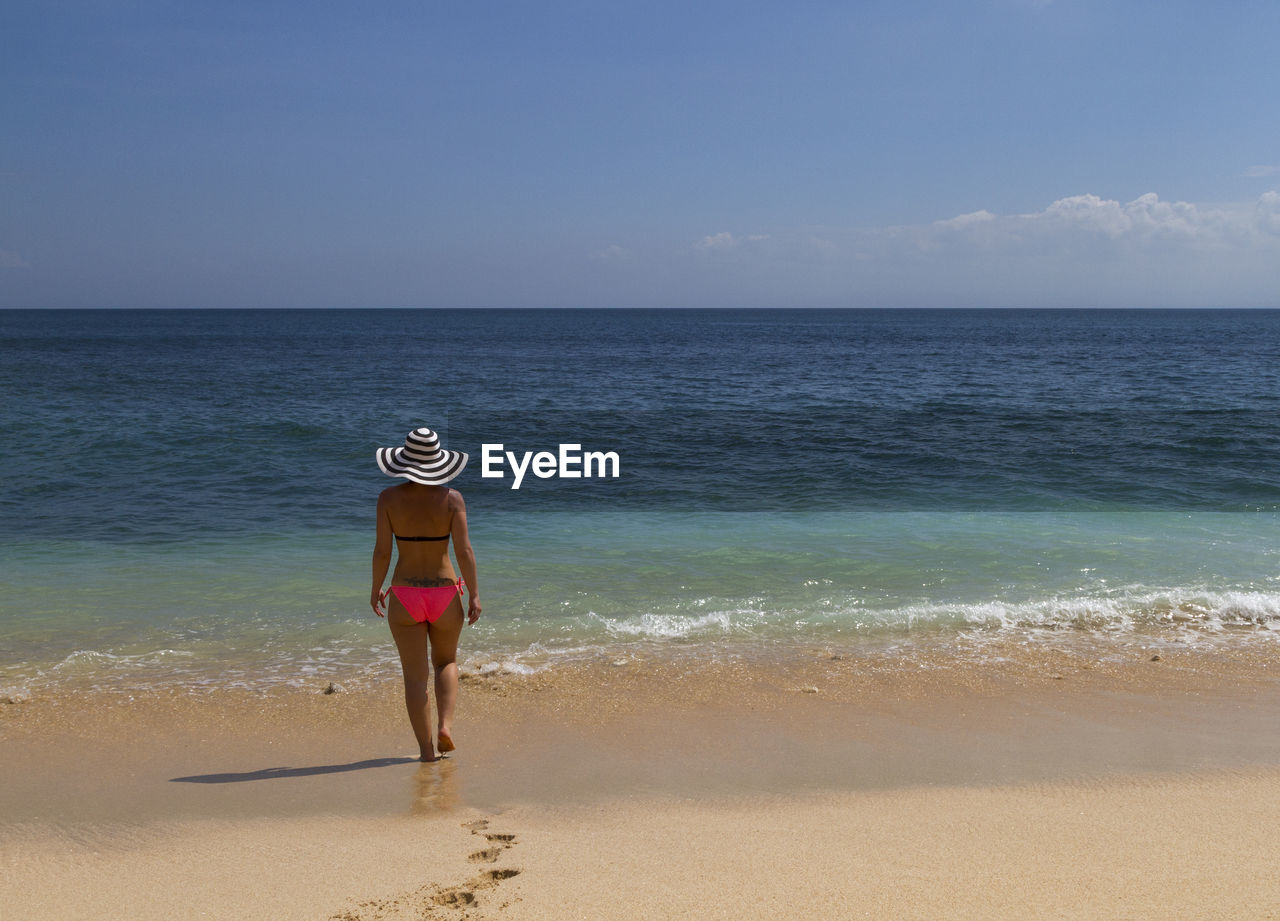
point(567, 586)
point(191, 506)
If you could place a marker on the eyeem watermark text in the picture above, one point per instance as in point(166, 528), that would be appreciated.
point(570, 463)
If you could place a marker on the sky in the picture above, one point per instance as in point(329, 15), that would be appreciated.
point(958, 153)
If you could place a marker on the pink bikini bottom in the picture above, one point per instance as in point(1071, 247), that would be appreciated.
point(425, 603)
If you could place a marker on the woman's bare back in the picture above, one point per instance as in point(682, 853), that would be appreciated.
point(421, 518)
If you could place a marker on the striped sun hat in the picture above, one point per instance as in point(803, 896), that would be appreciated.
point(422, 459)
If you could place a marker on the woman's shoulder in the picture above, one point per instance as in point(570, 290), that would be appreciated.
point(393, 493)
point(418, 493)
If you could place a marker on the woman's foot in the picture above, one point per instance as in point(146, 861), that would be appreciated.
point(446, 742)
point(428, 756)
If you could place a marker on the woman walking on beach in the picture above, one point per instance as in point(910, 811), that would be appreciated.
point(424, 601)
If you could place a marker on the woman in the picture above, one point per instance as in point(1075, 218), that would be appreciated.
point(425, 597)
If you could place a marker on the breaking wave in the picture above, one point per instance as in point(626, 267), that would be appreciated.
point(693, 628)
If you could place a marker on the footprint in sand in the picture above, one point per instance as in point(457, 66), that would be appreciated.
point(454, 898)
point(493, 877)
point(432, 899)
point(465, 895)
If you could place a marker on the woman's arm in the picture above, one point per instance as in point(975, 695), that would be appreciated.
point(466, 556)
point(381, 555)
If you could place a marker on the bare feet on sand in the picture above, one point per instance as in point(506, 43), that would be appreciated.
point(445, 742)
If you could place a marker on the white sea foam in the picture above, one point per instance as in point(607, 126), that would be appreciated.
point(89, 659)
point(1118, 611)
point(535, 658)
point(1122, 611)
point(485, 667)
point(692, 628)
point(681, 626)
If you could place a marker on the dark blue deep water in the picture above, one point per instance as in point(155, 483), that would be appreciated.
point(153, 425)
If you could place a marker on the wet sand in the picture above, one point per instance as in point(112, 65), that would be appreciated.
point(1043, 783)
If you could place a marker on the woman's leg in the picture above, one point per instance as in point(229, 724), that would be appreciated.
point(411, 643)
point(444, 656)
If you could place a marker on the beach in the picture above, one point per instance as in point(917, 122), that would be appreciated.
point(932, 614)
point(1054, 785)
point(845, 435)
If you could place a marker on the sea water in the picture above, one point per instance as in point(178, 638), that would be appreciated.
point(187, 496)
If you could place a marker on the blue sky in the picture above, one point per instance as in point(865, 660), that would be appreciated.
point(1002, 153)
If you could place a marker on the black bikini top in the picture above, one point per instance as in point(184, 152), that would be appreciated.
point(443, 537)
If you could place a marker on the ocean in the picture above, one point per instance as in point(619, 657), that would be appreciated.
point(188, 496)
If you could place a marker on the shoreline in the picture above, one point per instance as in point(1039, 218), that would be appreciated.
point(679, 643)
point(874, 790)
point(1190, 708)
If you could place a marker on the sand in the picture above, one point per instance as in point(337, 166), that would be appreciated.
point(1194, 847)
point(827, 787)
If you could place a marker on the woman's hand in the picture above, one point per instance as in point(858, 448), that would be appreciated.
point(473, 610)
point(375, 601)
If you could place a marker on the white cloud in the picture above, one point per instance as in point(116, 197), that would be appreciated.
point(721, 241)
point(1267, 213)
point(1146, 221)
point(1085, 211)
point(613, 253)
point(1077, 251)
point(1146, 214)
point(1261, 172)
point(11, 260)
point(725, 241)
point(965, 220)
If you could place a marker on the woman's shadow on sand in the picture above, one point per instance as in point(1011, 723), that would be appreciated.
point(279, 772)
